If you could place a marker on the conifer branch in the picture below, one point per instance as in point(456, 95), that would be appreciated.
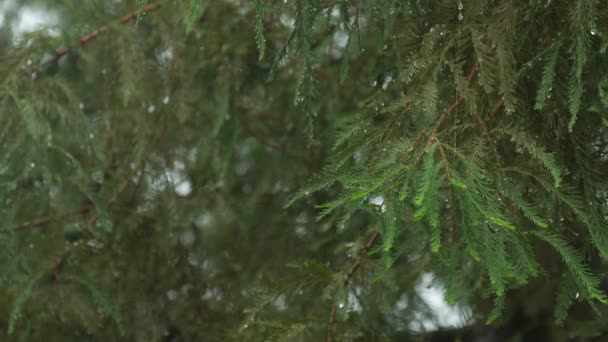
point(103, 29)
point(357, 263)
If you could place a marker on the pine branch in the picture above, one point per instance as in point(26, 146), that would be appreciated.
point(103, 29)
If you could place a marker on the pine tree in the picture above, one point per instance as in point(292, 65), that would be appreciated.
point(301, 170)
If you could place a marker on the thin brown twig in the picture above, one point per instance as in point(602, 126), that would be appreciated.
point(486, 133)
point(458, 101)
point(349, 274)
point(50, 218)
point(496, 107)
point(362, 254)
point(444, 158)
point(332, 320)
point(262, 139)
point(93, 35)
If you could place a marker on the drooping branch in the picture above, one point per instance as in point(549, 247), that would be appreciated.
point(93, 35)
point(60, 53)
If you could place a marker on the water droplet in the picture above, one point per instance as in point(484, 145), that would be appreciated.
point(187, 238)
point(593, 32)
point(172, 294)
point(460, 16)
point(91, 136)
point(151, 109)
point(193, 260)
point(33, 164)
point(97, 176)
point(81, 105)
point(95, 244)
point(166, 99)
point(460, 6)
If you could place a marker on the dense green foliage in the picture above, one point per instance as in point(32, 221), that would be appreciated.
point(210, 170)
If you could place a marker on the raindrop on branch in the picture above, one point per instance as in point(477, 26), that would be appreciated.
point(172, 294)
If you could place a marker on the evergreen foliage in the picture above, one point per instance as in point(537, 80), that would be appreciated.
point(294, 170)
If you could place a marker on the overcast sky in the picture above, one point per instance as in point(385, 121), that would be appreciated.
point(28, 19)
